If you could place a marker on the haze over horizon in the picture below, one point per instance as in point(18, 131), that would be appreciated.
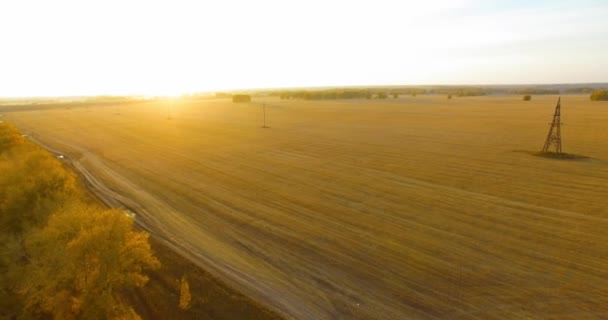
point(70, 48)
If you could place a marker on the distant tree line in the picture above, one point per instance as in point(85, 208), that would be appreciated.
point(376, 93)
point(63, 256)
point(329, 94)
point(529, 91)
point(333, 94)
point(241, 98)
point(599, 95)
point(396, 91)
point(579, 90)
point(461, 91)
point(410, 91)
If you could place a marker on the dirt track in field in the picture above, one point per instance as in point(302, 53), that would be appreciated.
point(145, 215)
point(415, 208)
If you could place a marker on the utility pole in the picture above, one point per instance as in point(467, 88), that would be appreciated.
point(264, 108)
point(554, 137)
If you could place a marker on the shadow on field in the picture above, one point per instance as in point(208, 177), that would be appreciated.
point(211, 298)
point(556, 156)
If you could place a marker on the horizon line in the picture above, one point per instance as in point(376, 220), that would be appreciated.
point(302, 87)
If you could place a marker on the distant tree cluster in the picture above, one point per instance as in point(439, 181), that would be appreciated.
point(329, 94)
point(376, 92)
point(461, 91)
point(62, 255)
point(241, 98)
point(579, 90)
point(599, 95)
point(410, 91)
point(346, 93)
point(529, 91)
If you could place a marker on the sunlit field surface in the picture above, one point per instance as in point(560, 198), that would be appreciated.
point(410, 208)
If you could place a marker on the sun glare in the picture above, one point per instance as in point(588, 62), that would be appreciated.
point(170, 48)
point(385, 159)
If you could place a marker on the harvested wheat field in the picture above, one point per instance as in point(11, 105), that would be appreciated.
point(410, 208)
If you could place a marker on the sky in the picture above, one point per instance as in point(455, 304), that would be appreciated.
point(104, 47)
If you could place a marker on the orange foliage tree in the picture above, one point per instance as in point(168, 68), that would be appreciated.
point(61, 256)
point(80, 261)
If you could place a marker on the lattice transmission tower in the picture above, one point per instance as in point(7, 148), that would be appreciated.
point(554, 138)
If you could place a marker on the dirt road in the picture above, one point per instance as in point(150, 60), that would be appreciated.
point(415, 208)
point(145, 214)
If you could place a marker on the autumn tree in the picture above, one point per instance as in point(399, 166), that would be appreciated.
point(81, 259)
point(32, 185)
point(61, 256)
point(9, 137)
point(599, 95)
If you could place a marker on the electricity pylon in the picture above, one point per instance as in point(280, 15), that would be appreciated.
point(554, 138)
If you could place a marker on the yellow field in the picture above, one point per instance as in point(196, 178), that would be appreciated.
point(413, 208)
